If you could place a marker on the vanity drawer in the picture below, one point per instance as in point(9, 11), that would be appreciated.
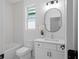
point(45, 45)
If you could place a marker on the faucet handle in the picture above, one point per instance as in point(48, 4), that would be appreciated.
point(63, 47)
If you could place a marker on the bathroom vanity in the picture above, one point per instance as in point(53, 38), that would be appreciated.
point(45, 49)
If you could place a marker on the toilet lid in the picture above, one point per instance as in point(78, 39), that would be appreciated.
point(23, 50)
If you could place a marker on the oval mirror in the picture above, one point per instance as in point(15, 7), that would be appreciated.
point(53, 20)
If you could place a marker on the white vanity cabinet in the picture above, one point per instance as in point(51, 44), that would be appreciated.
point(41, 53)
point(45, 50)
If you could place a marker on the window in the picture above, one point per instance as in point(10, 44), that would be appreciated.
point(30, 17)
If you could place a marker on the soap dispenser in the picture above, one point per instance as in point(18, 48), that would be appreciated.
point(41, 28)
point(42, 34)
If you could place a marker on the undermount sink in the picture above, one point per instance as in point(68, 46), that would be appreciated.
point(46, 40)
point(52, 39)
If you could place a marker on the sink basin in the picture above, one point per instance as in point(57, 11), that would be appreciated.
point(46, 40)
point(52, 39)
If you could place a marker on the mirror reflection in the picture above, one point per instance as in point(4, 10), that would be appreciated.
point(53, 20)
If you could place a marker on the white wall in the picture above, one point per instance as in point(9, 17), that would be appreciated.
point(6, 24)
point(30, 35)
point(1, 26)
point(13, 1)
point(18, 22)
point(20, 34)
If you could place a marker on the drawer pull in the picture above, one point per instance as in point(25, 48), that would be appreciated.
point(50, 54)
point(47, 53)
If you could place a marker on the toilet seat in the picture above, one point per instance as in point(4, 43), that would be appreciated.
point(23, 51)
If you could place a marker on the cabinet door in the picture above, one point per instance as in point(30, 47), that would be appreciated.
point(41, 53)
point(57, 55)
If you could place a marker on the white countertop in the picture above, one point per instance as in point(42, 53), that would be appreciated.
point(55, 41)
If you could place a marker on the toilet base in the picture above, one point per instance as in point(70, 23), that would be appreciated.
point(27, 56)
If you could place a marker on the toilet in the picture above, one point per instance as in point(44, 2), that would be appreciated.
point(24, 53)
